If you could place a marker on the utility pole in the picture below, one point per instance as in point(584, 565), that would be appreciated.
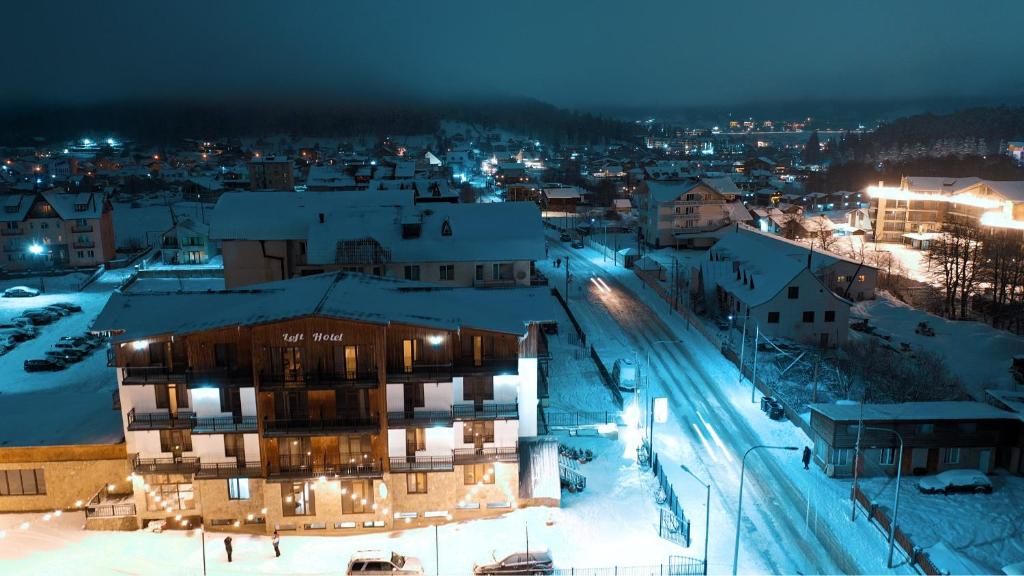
point(856, 462)
point(753, 375)
point(743, 343)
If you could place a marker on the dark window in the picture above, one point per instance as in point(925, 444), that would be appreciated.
point(773, 317)
point(447, 272)
point(412, 272)
point(231, 400)
point(176, 441)
point(809, 316)
point(22, 482)
point(830, 315)
point(794, 292)
point(479, 271)
point(225, 355)
point(234, 445)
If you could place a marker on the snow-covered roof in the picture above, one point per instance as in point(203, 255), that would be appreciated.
point(912, 411)
point(562, 192)
point(288, 215)
point(671, 190)
point(339, 295)
point(502, 231)
point(723, 185)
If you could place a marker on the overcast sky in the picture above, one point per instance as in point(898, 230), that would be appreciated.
point(572, 53)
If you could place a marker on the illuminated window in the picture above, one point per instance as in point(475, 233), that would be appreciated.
point(416, 482)
point(476, 473)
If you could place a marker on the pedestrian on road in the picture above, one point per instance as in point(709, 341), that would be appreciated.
point(227, 547)
point(807, 457)
point(276, 541)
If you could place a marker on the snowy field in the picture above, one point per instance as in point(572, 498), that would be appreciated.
point(983, 529)
point(977, 353)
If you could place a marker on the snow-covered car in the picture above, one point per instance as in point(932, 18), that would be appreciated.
point(564, 237)
point(535, 562)
point(48, 365)
point(76, 342)
point(70, 307)
point(18, 334)
point(624, 374)
point(379, 563)
point(58, 310)
point(38, 318)
point(952, 481)
point(20, 292)
point(67, 356)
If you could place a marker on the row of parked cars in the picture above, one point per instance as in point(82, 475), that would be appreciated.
point(67, 350)
point(24, 327)
point(380, 563)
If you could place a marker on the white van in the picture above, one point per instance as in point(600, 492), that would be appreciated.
point(625, 374)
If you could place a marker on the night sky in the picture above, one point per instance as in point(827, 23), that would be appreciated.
point(570, 53)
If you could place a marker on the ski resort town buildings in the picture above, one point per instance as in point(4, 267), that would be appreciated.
point(278, 235)
point(687, 213)
point(56, 229)
point(783, 288)
point(333, 403)
point(915, 212)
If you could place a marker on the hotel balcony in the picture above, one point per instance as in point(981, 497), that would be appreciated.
point(318, 380)
point(295, 467)
point(484, 455)
point(488, 366)
point(78, 228)
point(200, 377)
point(83, 244)
point(160, 420)
point(422, 463)
point(426, 418)
point(229, 470)
point(131, 375)
point(180, 465)
point(420, 373)
point(223, 424)
point(316, 427)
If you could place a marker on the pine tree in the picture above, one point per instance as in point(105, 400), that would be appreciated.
point(812, 149)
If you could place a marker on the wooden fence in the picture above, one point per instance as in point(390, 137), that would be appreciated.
point(875, 514)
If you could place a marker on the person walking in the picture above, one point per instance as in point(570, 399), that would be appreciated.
point(227, 547)
point(807, 457)
point(276, 541)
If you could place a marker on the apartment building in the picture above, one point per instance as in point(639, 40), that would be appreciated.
point(782, 288)
point(271, 173)
point(335, 403)
point(279, 235)
point(56, 229)
point(685, 213)
point(914, 212)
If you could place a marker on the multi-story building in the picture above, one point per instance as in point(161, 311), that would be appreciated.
point(279, 235)
point(186, 242)
point(783, 288)
point(334, 403)
point(271, 173)
point(56, 229)
point(916, 211)
point(685, 213)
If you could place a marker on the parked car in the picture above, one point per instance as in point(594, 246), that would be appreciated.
point(20, 292)
point(47, 365)
point(379, 563)
point(40, 317)
point(58, 310)
point(76, 342)
point(577, 244)
point(518, 563)
point(951, 481)
point(564, 237)
point(624, 374)
point(68, 306)
point(67, 355)
point(18, 334)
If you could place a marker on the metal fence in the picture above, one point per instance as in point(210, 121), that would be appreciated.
point(578, 419)
point(676, 566)
point(673, 524)
point(109, 510)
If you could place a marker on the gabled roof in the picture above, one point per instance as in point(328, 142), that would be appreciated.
point(65, 204)
point(672, 190)
point(339, 295)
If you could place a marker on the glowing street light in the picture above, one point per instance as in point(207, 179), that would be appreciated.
point(35, 249)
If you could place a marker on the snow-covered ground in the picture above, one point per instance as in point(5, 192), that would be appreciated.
point(792, 520)
point(977, 353)
point(984, 528)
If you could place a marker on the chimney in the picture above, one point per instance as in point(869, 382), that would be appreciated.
point(321, 215)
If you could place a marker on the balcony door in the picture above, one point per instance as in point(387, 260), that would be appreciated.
point(291, 405)
point(478, 351)
point(234, 447)
point(345, 361)
point(157, 354)
point(478, 389)
point(410, 354)
point(170, 397)
point(231, 401)
point(352, 404)
point(286, 364)
point(413, 397)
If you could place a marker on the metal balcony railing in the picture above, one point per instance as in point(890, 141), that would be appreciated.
point(310, 426)
point(180, 465)
point(229, 470)
point(160, 420)
point(420, 418)
point(223, 424)
point(219, 376)
point(332, 379)
point(422, 463)
point(504, 411)
point(492, 366)
point(303, 466)
point(420, 373)
point(153, 375)
point(490, 454)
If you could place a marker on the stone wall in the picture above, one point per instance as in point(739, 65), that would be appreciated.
point(72, 474)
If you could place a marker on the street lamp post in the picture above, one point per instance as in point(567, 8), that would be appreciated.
point(739, 505)
point(896, 503)
point(707, 514)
